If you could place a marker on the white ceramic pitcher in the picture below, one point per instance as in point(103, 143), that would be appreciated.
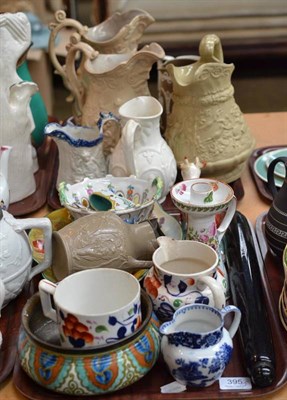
point(142, 151)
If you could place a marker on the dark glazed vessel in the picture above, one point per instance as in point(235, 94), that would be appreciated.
point(276, 220)
point(247, 294)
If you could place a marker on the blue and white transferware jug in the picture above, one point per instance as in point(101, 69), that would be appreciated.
point(195, 345)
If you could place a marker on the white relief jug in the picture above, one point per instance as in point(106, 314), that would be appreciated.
point(142, 151)
point(16, 118)
point(81, 152)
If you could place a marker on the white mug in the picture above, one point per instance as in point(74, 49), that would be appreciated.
point(93, 307)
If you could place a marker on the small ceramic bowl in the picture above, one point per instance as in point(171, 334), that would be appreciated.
point(85, 372)
point(76, 197)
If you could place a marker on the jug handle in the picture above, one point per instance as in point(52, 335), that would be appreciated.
point(216, 290)
point(227, 219)
point(210, 49)
point(130, 129)
point(46, 226)
point(2, 294)
point(74, 85)
point(270, 174)
point(236, 320)
point(56, 27)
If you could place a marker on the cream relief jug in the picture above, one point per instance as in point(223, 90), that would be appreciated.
point(205, 120)
point(16, 118)
point(103, 82)
point(120, 33)
point(142, 151)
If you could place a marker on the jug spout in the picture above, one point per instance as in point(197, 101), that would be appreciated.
point(4, 186)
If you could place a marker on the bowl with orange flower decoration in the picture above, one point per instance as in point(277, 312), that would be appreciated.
point(85, 371)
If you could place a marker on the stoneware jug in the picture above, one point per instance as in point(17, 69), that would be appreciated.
point(205, 120)
point(16, 254)
point(80, 148)
point(142, 151)
point(184, 272)
point(4, 187)
point(103, 82)
point(276, 219)
point(102, 240)
point(164, 82)
point(16, 118)
point(120, 33)
point(196, 346)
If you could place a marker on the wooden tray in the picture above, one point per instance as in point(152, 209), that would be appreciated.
point(10, 322)
point(149, 386)
point(260, 184)
point(47, 156)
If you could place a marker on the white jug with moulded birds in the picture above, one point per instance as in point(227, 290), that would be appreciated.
point(142, 151)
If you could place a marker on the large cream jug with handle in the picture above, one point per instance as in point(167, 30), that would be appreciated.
point(205, 121)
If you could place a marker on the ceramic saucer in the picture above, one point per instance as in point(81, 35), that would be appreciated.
point(260, 168)
point(270, 156)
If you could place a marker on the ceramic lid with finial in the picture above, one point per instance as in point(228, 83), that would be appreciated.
point(201, 193)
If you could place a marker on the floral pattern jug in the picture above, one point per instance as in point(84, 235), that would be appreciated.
point(205, 120)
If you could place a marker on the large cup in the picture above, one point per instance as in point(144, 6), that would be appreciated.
point(93, 307)
point(184, 272)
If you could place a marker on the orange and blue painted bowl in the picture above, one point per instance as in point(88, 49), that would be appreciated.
point(85, 372)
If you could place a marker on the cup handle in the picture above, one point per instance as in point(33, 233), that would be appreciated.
point(236, 320)
point(270, 174)
point(227, 219)
point(46, 290)
point(216, 290)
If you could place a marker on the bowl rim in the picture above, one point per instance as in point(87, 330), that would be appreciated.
point(33, 301)
point(89, 211)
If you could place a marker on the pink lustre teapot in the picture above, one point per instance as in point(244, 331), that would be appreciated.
point(16, 254)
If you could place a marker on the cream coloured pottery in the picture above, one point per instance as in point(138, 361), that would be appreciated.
point(205, 120)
